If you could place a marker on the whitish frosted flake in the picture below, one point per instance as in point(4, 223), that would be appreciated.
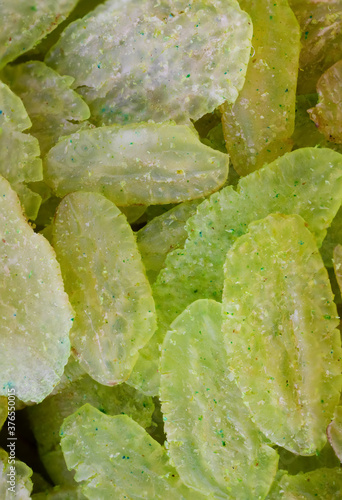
point(23, 24)
point(114, 457)
point(213, 443)
point(325, 484)
point(47, 417)
point(327, 114)
point(55, 109)
point(280, 332)
point(142, 164)
point(35, 311)
point(170, 60)
point(162, 235)
point(19, 162)
point(22, 483)
point(105, 280)
point(321, 27)
point(334, 432)
point(306, 181)
point(258, 126)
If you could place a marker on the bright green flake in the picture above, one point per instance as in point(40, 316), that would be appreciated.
point(321, 27)
point(177, 59)
point(35, 310)
point(337, 260)
point(213, 442)
point(47, 417)
point(280, 320)
point(327, 114)
point(22, 483)
point(115, 457)
point(334, 432)
point(105, 280)
point(19, 152)
point(307, 181)
point(23, 23)
point(162, 235)
point(258, 126)
point(142, 164)
point(55, 109)
point(323, 484)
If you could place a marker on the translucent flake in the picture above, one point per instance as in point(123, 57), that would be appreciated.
point(283, 347)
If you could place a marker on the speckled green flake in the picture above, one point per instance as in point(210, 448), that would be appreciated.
point(284, 349)
point(35, 310)
point(106, 283)
point(24, 23)
point(258, 126)
point(23, 484)
point(162, 235)
point(133, 61)
point(306, 181)
point(47, 417)
point(323, 484)
point(334, 432)
point(19, 162)
point(213, 443)
point(143, 164)
point(55, 109)
point(116, 458)
point(327, 114)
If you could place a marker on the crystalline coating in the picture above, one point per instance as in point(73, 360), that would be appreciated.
point(142, 164)
point(258, 126)
point(114, 457)
point(325, 484)
point(35, 310)
point(321, 27)
point(23, 24)
point(106, 283)
point(47, 417)
point(52, 106)
point(163, 234)
point(327, 114)
point(23, 483)
point(334, 432)
point(19, 162)
point(280, 332)
point(307, 181)
point(170, 60)
point(208, 427)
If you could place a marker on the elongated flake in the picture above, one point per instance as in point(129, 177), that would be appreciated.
point(307, 182)
point(213, 442)
point(54, 109)
point(23, 24)
point(258, 126)
point(172, 60)
point(327, 114)
point(142, 164)
point(280, 332)
point(19, 152)
point(35, 310)
point(106, 283)
point(114, 456)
